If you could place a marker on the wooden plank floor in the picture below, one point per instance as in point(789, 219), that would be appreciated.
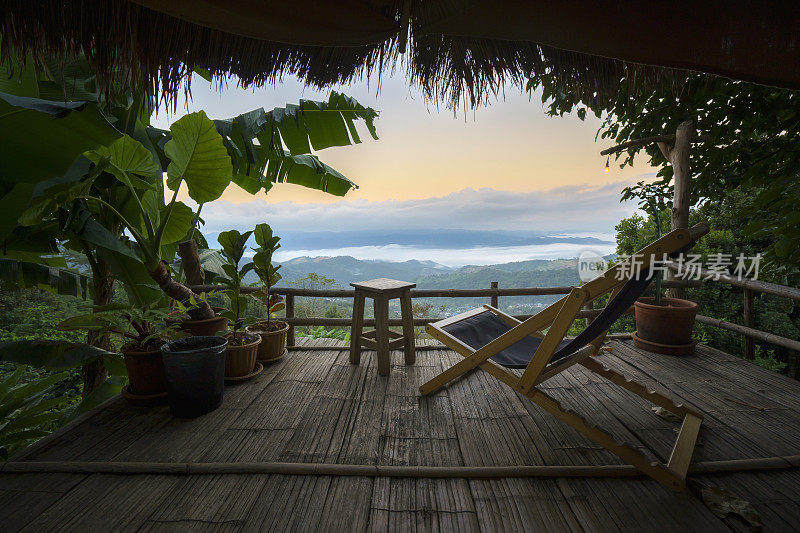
point(315, 407)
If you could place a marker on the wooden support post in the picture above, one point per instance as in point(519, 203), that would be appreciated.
point(749, 321)
point(678, 157)
point(407, 315)
point(589, 307)
point(290, 337)
point(381, 304)
point(494, 299)
point(356, 328)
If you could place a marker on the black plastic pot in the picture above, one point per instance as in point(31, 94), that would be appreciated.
point(195, 370)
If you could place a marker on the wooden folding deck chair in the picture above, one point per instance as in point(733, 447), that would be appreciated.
point(491, 340)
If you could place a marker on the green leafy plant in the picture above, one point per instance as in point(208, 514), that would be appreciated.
point(233, 247)
point(753, 140)
point(320, 332)
point(87, 178)
point(652, 200)
point(267, 272)
point(25, 410)
point(143, 327)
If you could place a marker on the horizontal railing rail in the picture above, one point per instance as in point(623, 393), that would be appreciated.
point(494, 292)
point(423, 293)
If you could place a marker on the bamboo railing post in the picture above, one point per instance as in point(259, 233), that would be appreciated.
point(749, 321)
point(589, 307)
point(290, 338)
point(494, 299)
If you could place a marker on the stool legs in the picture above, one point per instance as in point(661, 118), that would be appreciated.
point(355, 330)
point(382, 334)
point(408, 327)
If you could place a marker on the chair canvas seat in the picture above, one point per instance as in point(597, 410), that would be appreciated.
point(479, 330)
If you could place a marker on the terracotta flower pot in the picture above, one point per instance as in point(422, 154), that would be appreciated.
point(202, 328)
point(240, 360)
point(665, 328)
point(145, 371)
point(273, 342)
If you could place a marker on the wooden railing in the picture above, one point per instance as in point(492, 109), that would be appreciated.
point(494, 292)
point(749, 288)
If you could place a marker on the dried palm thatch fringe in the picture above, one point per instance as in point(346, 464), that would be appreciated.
point(148, 50)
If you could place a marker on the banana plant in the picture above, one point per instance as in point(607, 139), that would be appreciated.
point(198, 159)
point(88, 174)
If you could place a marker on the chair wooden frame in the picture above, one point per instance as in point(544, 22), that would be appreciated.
point(558, 318)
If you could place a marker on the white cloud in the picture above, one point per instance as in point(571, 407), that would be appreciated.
point(564, 209)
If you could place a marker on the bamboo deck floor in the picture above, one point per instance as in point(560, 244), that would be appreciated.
point(315, 407)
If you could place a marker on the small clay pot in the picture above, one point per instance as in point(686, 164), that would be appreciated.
point(241, 360)
point(202, 328)
point(273, 343)
point(145, 371)
point(665, 328)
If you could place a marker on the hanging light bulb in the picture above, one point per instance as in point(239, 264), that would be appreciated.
point(607, 165)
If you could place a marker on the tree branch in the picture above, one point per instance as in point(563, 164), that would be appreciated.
point(666, 139)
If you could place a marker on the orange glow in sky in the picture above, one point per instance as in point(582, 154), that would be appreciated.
point(424, 151)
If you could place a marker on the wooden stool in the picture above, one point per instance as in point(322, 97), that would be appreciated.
point(382, 339)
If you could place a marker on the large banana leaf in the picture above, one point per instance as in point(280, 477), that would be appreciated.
point(15, 273)
point(271, 147)
point(40, 139)
point(198, 157)
point(320, 125)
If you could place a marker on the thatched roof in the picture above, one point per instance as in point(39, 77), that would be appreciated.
point(452, 49)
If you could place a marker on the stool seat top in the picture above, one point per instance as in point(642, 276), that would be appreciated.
point(382, 285)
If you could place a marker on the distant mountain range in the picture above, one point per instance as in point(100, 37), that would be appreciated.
point(346, 269)
point(436, 238)
point(449, 239)
point(427, 274)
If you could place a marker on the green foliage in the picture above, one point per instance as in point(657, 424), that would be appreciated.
point(652, 200)
point(143, 326)
point(267, 272)
point(320, 332)
point(197, 157)
point(275, 147)
point(51, 113)
point(727, 219)
point(233, 247)
point(25, 410)
point(754, 144)
point(769, 362)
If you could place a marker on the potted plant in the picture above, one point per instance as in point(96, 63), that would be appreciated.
point(145, 328)
point(272, 331)
point(198, 328)
point(242, 350)
point(663, 325)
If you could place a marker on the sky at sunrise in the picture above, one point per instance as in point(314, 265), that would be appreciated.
point(507, 165)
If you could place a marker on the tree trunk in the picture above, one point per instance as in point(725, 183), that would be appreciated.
point(180, 292)
point(94, 374)
point(678, 157)
point(190, 259)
